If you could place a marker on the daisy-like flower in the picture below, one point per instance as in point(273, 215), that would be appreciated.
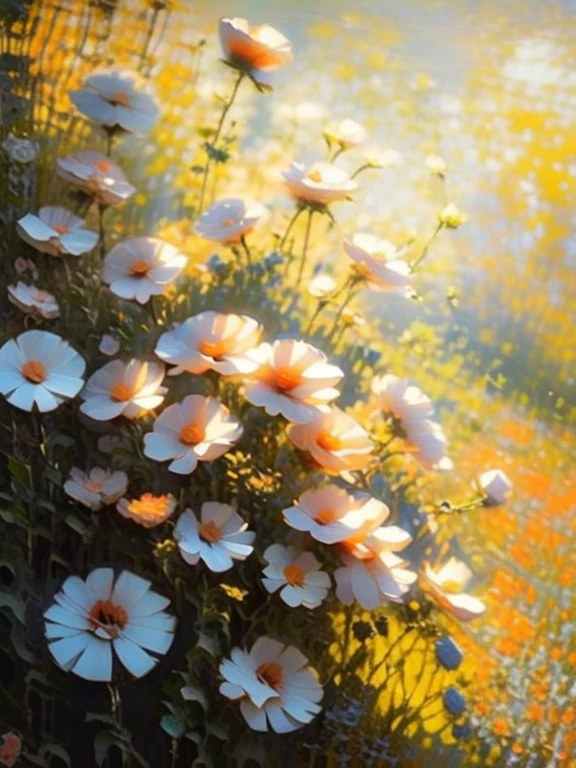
point(322, 286)
point(128, 389)
point(96, 488)
point(335, 441)
point(496, 487)
point(446, 585)
point(211, 341)
point(297, 575)
point(96, 175)
point(346, 133)
point(39, 368)
point(197, 429)
point(92, 617)
point(274, 685)
point(319, 183)
point(113, 99)
point(148, 510)
point(227, 221)
point(56, 231)
point(294, 379)
point(429, 445)
point(33, 301)
point(142, 267)
point(254, 50)
point(218, 538)
point(377, 261)
point(332, 514)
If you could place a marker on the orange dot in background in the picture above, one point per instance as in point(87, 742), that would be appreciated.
point(501, 727)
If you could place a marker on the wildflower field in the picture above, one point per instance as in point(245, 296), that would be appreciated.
point(287, 384)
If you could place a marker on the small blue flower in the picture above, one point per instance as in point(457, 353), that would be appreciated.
point(273, 260)
point(448, 653)
point(372, 356)
point(462, 732)
point(454, 702)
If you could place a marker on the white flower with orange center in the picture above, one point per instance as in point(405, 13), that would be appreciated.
point(39, 369)
point(335, 441)
point(96, 175)
point(331, 514)
point(496, 487)
point(142, 267)
point(127, 389)
point(257, 51)
point(319, 183)
point(446, 586)
point(33, 301)
point(297, 575)
point(377, 261)
point(113, 99)
point(56, 231)
point(218, 538)
point(273, 684)
point(92, 618)
point(197, 429)
point(294, 379)
point(148, 510)
point(96, 488)
point(211, 341)
point(227, 221)
point(346, 133)
point(373, 581)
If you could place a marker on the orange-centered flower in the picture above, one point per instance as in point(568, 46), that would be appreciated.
point(121, 392)
point(62, 229)
point(315, 175)
point(34, 371)
point(192, 434)
point(106, 615)
point(326, 516)
point(209, 531)
point(93, 486)
point(288, 378)
point(294, 575)
point(140, 268)
point(328, 441)
point(103, 165)
point(120, 97)
point(271, 673)
point(216, 349)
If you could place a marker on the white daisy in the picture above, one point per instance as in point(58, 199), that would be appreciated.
point(92, 617)
point(297, 575)
point(256, 50)
point(33, 301)
point(96, 175)
point(96, 488)
point(274, 685)
point(128, 389)
point(322, 286)
point(496, 487)
point(142, 267)
point(56, 231)
point(227, 221)
point(378, 262)
point(446, 586)
point(320, 183)
point(346, 133)
point(374, 581)
point(39, 368)
point(219, 538)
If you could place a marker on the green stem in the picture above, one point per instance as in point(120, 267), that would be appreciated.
point(359, 170)
point(318, 310)
point(305, 247)
point(101, 231)
point(348, 298)
point(246, 250)
point(426, 248)
point(291, 223)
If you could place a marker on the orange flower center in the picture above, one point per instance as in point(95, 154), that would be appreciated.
point(294, 575)
point(140, 268)
point(121, 392)
point(149, 506)
point(34, 371)
point(271, 673)
point(192, 434)
point(325, 516)
point(93, 486)
point(120, 97)
point(315, 175)
point(62, 229)
point(327, 441)
point(287, 378)
point(451, 587)
point(40, 297)
point(216, 349)
point(106, 615)
point(230, 221)
point(209, 532)
point(103, 165)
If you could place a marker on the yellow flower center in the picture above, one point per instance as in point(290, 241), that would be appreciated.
point(287, 378)
point(315, 175)
point(140, 268)
point(327, 441)
point(209, 532)
point(192, 434)
point(121, 392)
point(103, 165)
point(149, 506)
point(325, 516)
point(271, 673)
point(451, 587)
point(120, 97)
point(34, 371)
point(216, 349)
point(294, 575)
point(106, 615)
point(62, 229)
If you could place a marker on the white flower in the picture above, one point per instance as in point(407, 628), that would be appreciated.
point(21, 150)
point(109, 345)
point(219, 538)
point(96, 175)
point(254, 50)
point(346, 133)
point(496, 487)
point(331, 514)
point(211, 341)
point(56, 231)
point(429, 445)
point(377, 261)
point(197, 429)
point(142, 267)
point(111, 98)
point(148, 510)
point(297, 575)
point(322, 286)
point(33, 301)
point(295, 379)
point(128, 389)
point(446, 585)
point(39, 368)
point(335, 441)
point(373, 581)
point(274, 685)
point(382, 158)
point(320, 183)
point(97, 488)
point(436, 164)
point(228, 220)
point(92, 617)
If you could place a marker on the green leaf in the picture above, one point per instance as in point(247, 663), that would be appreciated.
point(55, 751)
point(19, 470)
point(14, 604)
point(103, 742)
point(191, 693)
point(173, 726)
point(78, 525)
point(98, 717)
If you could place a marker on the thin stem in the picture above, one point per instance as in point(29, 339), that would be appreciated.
point(246, 249)
point(348, 298)
point(318, 310)
point(337, 153)
point(291, 223)
point(426, 248)
point(174, 753)
point(305, 247)
point(360, 169)
point(101, 212)
point(109, 143)
point(215, 140)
